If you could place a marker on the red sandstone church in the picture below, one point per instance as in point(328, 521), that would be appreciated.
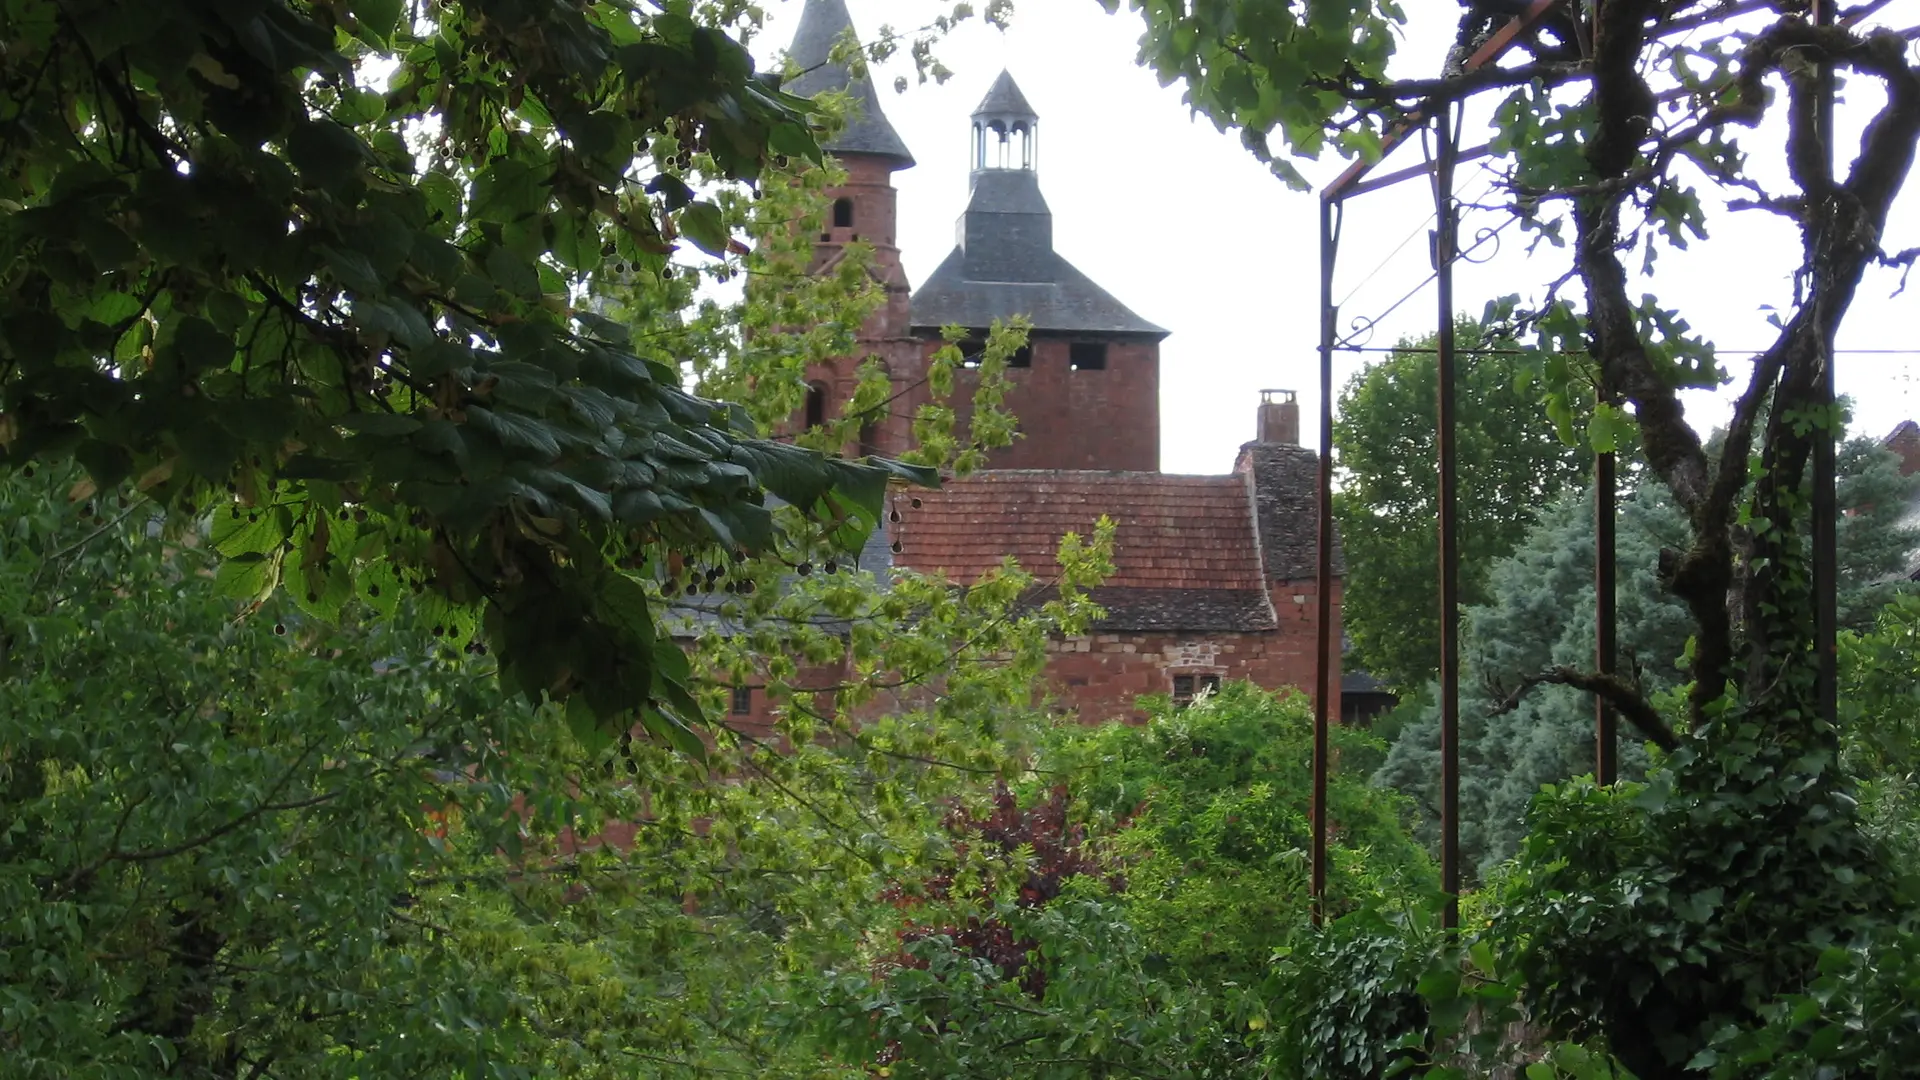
point(1214, 575)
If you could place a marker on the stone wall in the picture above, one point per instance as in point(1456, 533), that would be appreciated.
point(1099, 675)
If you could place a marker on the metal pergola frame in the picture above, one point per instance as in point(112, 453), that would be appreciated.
point(1356, 180)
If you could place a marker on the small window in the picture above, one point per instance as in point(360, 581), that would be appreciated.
point(1187, 687)
point(1087, 355)
point(869, 438)
point(742, 701)
point(842, 213)
point(974, 350)
point(816, 404)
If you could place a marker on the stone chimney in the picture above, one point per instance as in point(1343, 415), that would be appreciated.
point(1279, 418)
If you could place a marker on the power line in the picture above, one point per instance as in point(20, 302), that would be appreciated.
point(1583, 352)
point(1364, 327)
point(1492, 181)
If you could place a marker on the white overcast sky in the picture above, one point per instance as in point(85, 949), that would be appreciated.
point(1178, 221)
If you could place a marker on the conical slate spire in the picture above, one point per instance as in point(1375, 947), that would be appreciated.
point(1004, 101)
point(822, 23)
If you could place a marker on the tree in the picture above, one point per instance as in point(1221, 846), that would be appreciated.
point(218, 830)
point(1540, 615)
point(1120, 915)
point(1881, 672)
point(1387, 501)
point(279, 845)
point(1204, 811)
point(1612, 122)
point(246, 272)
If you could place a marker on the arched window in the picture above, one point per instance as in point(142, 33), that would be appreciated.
point(816, 404)
point(843, 213)
point(869, 438)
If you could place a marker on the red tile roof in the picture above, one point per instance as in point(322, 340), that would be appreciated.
point(1171, 532)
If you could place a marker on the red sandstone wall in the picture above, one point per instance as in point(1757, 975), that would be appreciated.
point(1106, 419)
point(875, 206)
point(886, 335)
point(1101, 674)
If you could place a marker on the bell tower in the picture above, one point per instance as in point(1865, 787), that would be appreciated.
point(1087, 390)
point(1006, 131)
point(864, 210)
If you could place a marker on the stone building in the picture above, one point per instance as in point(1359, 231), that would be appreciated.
point(1214, 575)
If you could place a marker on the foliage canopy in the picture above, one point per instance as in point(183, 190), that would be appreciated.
point(323, 267)
point(1539, 615)
point(1510, 466)
point(1659, 919)
point(312, 848)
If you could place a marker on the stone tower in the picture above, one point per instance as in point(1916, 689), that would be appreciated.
point(1087, 392)
point(864, 209)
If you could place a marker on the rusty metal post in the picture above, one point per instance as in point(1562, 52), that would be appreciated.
point(1323, 581)
point(1826, 559)
point(1606, 743)
point(1443, 255)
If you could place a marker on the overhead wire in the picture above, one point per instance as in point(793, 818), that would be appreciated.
point(1365, 325)
point(1368, 324)
point(1485, 170)
point(1391, 255)
point(1582, 352)
point(1492, 179)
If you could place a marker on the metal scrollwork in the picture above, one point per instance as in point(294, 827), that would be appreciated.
point(1483, 236)
point(1360, 332)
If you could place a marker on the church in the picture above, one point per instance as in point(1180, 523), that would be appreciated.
point(1214, 576)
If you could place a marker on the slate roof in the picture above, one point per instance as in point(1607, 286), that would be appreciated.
point(1185, 555)
point(1176, 610)
point(1004, 263)
point(1359, 682)
point(1285, 480)
point(1064, 300)
point(822, 23)
point(1004, 99)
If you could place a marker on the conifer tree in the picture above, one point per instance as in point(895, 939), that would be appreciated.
point(1540, 614)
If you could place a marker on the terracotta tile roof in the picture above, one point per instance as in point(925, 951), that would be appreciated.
point(1172, 532)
